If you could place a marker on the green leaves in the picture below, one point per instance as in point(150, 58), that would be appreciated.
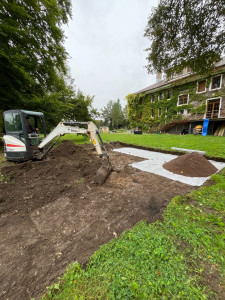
point(185, 33)
point(113, 114)
point(32, 56)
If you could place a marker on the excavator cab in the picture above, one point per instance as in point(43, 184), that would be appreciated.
point(24, 130)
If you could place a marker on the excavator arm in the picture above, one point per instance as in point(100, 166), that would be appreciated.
point(62, 129)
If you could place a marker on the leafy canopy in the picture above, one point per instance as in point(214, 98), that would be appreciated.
point(32, 56)
point(114, 115)
point(33, 71)
point(185, 33)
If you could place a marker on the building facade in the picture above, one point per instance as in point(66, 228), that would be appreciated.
point(179, 103)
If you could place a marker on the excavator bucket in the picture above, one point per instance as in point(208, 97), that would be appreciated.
point(103, 172)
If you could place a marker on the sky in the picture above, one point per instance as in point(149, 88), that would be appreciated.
point(105, 41)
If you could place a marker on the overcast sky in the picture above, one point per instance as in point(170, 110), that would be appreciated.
point(106, 46)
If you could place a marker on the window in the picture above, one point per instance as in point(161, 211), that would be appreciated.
point(202, 86)
point(152, 115)
point(153, 98)
point(183, 99)
point(160, 96)
point(160, 112)
point(216, 82)
point(189, 111)
point(188, 70)
point(13, 122)
point(181, 112)
point(213, 108)
point(168, 96)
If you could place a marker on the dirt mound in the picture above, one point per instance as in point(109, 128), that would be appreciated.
point(191, 164)
point(67, 167)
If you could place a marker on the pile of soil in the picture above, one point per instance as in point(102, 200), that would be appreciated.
point(192, 165)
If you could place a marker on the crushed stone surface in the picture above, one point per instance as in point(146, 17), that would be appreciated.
point(153, 162)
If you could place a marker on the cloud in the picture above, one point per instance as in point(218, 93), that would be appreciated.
point(106, 45)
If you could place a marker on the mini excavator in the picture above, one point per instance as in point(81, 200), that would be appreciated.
point(26, 138)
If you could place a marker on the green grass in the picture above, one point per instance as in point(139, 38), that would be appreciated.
point(179, 258)
point(76, 139)
point(213, 145)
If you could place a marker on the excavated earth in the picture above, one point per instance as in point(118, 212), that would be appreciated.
point(51, 213)
point(191, 164)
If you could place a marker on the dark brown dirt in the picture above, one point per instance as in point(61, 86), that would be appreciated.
point(191, 164)
point(51, 214)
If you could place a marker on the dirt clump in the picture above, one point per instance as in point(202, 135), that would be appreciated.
point(192, 165)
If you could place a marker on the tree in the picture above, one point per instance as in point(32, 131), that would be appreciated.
point(79, 108)
point(32, 56)
point(117, 115)
point(113, 114)
point(106, 114)
point(186, 33)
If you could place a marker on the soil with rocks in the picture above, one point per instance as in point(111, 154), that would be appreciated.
point(51, 213)
point(192, 165)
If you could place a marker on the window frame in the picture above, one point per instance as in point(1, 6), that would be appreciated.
point(12, 116)
point(159, 115)
point(167, 94)
point(188, 70)
point(162, 96)
point(152, 113)
point(153, 98)
point(221, 79)
point(183, 103)
point(181, 112)
point(197, 92)
point(189, 111)
point(220, 98)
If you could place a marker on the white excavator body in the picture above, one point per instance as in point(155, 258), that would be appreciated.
point(23, 141)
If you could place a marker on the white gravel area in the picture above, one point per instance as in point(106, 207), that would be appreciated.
point(153, 163)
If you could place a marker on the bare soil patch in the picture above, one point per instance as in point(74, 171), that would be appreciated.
point(51, 214)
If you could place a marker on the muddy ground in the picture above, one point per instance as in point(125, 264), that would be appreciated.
point(51, 214)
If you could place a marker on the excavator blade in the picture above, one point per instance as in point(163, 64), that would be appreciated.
point(103, 172)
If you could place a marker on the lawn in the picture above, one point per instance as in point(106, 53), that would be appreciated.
point(181, 257)
point(213, 145)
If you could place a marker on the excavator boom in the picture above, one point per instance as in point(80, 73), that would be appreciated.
point(22, 145)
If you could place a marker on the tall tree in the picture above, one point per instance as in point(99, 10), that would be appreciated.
point(79, 107)
point(117, 115)
point(186, 33)
point(32, 56)
point(106, 113)
point(113, 114)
